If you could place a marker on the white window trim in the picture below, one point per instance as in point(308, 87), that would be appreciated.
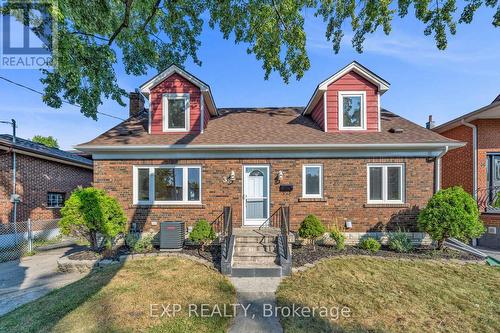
point(186, 98)
point(384, 167)
point(53, 193)
point(151, 200)
point(304, 194)
point(342, 94)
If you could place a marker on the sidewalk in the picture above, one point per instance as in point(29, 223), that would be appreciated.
point(255, 293)
point(27, 279)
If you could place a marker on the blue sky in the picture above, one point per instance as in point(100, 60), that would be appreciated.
point(423, 79)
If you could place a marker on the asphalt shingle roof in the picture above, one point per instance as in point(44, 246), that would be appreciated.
point(272, 125)
point(23, 144)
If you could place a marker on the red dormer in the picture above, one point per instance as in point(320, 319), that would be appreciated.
point(349, 100)
point(179, 102)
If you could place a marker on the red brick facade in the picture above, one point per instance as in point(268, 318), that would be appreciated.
point(345, 192)
point(36, 177)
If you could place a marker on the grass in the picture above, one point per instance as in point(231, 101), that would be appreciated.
point(118, 299)
point(391, 295)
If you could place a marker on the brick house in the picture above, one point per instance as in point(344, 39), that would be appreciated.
point(342, 157)
point(476, 166)
point(44, 178)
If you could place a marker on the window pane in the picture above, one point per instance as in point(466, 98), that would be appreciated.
point(312, 180)
point(393, 183)
point(176, 113)
point(143, 184)
point(352, 111)
point(168, 184)
point(55, 199)
point(193, 184)
point(375, 183)
point(256, 208)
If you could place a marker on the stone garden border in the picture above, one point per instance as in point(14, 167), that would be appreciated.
point(66, 265)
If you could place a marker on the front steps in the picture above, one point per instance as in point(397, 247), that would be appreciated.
point(255, 254)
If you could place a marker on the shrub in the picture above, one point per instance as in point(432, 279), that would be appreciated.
point(90, 213)
point(370, 244)
point(338, 237)
point(451, 213)
point(139, 243)
point(311, 228)
point(400, 242)
point(202, 233)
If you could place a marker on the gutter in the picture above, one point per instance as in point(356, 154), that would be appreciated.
point(437, 172)
point(474, 155)
point(270, 147)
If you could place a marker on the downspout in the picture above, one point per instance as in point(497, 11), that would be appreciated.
point(437, 173)
point(474, 156)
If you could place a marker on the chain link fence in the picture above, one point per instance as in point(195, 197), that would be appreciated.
point(23, 238)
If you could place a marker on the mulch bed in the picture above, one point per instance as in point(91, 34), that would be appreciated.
point(212, 253)
point(304, 254)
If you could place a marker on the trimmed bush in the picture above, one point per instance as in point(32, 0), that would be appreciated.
point(338, 237)
point(202, 233)
point(400, 242)
point(91, 213)
point(311, 228)
point(139, 243)
point(370, 244)
point(451, 213)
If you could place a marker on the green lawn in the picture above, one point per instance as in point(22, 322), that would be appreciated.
point(118, 299)
point(391, 295)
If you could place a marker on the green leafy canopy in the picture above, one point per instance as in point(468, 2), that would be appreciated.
point(48, 141)
point(94, 35)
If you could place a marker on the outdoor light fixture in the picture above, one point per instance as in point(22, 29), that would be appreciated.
point(348, 224)
point(280, 175)
point(229, 179)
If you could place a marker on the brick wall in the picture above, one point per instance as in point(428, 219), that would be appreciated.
point(36, 177)
point(344, 192)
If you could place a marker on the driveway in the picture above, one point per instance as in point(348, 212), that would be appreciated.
point(24, 280)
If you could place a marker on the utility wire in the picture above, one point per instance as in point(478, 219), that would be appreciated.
point(65, 101)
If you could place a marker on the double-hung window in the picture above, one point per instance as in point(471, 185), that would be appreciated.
point(167, 184)
point(175, 112)
point(312, 181)
point(352, 110)
point(386, 183)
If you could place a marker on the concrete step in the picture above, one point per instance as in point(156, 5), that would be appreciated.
point(253, 270)
point(254, 254)
point(256, 239)
point(254, 260)
point(247, 247)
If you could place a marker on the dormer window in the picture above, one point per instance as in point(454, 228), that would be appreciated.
point(352, 110)
point(175, 112)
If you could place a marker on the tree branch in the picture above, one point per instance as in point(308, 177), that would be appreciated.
point(89, 35)
point(151, 15)
point(279, 16)
point(126, 18)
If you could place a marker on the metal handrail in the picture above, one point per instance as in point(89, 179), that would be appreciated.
point(488, 198)
point(228, 228)
point(280, 219)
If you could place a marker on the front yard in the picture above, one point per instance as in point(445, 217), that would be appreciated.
point(119, 298)
point(395, 295)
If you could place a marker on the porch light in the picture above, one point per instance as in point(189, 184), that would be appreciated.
point(229, 179)
point(280, 175)
point(348, 224)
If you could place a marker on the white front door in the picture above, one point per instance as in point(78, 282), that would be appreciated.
point(255, 194)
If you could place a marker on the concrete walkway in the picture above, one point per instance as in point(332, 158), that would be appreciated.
point(490, 252)
point(253, 294)
point(24, 280)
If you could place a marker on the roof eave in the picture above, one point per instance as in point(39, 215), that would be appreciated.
point(471, 116)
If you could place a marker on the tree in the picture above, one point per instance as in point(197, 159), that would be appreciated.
point(48, 141)
point(311, 228)
point(92, 35)
point(202, 233)
point(451, 213)
point(90, 213)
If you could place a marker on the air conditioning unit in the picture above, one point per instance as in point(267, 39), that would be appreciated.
point(171, 235)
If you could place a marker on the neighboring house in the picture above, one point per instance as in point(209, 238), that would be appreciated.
point(45, 177)
point(476, 167)
point(342, 157)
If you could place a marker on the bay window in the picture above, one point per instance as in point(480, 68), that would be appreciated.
point(386, 183)
point(167, 184)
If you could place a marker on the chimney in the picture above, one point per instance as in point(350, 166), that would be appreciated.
point(136, 103)
point(430, 124)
